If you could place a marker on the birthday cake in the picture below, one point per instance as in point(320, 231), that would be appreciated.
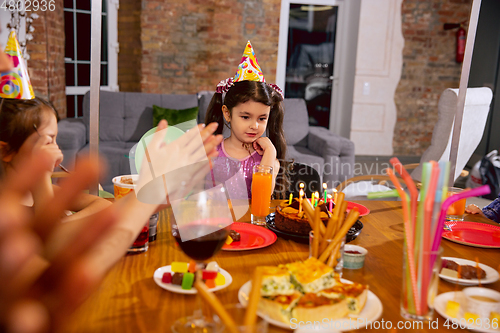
point(288, 218)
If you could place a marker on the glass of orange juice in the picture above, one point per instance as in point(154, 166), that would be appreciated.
point(262, 180)
point(457, 210)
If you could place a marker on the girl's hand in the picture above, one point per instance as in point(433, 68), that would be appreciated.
point(45, 143)
point(263, 145)
point(473, 209)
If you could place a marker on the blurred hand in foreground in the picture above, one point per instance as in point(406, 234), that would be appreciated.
point(35, 295)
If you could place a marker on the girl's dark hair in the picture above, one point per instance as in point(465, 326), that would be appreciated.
point(18, 119)
point(260, 92)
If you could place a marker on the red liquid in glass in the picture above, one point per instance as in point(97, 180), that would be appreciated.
point(204, 247)
point(143, 237)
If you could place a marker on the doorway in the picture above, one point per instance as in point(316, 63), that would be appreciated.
point(312, 49)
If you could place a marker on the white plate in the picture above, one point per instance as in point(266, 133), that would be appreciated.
point(491, 274)
point(440, 306)
point(371, 312)
point(178, 289)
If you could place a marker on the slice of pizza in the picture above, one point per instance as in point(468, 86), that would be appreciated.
point(355, 295)
point(312, 275)
point(276, 281)
point(313, 307)
point(279, 307)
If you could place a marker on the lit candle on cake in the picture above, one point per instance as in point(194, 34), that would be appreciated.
point(324, 193)
point(335, 192)
point(316, 195)
point(301, 195)
point(330, 203)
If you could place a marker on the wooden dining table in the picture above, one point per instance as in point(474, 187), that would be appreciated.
point(129, 300)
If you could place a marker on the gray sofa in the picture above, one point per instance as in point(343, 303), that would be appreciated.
point(126, 116)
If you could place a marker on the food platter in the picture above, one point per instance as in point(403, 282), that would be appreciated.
point(491, 274)
point(371, 312)
point(304, 239)
point(178, 289)
point(252, 237)
point(473, 234)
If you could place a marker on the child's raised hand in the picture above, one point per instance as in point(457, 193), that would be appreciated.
point(262, 145)
point(46, 143)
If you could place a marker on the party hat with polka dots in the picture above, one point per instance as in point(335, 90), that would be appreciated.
point(249, 69)
point(16, 82)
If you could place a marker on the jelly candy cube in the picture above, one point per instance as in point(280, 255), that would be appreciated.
point(220, 279)
point(452, 309)
point(210, 283)
point(212, 266)
point(187, 281)
point(167, 277)
point(177, 278)
point(179, 267)
point(192, 266)
point(229, 240)
point(209, 275)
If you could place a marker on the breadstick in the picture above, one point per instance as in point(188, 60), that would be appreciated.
point(216, 305)
point(310, 214)
point(338, 204)
point(253, 300)
point(317, 236)
point(332, 260)
point(330, 227)
point(351, 219)
point(342, 215)
point(334, 224)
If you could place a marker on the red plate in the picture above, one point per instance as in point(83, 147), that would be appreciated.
point(252, 237)
point(362, 209)
point(473, 234)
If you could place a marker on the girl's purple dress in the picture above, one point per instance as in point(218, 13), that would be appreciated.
point(235, 173)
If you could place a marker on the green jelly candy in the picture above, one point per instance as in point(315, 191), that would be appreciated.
point(187, 281)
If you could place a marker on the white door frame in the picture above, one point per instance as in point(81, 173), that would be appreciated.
point(341, 52)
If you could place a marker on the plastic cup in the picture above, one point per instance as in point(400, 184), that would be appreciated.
point(262, 180)
point(457, 210)
point(123, 185)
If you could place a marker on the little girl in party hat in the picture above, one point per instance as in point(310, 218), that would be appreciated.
point(250, 108)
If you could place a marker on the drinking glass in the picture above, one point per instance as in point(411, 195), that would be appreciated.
point(339, 261)
point(457, 210)
point(418, 294)
point(237, 312)
point(200, 224)
point(124, 185)
point(262, 180)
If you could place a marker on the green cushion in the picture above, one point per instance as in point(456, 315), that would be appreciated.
point(182, 119)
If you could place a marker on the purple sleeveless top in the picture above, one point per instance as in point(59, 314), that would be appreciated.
point(235, 173)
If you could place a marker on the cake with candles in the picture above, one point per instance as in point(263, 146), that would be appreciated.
point(289, 219)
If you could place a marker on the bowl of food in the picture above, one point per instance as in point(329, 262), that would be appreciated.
point(481, 301)
point(354, 256)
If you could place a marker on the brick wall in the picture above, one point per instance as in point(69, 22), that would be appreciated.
point(196, 43)
point(46, 64)
point(429, 68)
point(129, 37)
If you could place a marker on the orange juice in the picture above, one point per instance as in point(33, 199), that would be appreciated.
point(457, 210)
point(261, 193)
